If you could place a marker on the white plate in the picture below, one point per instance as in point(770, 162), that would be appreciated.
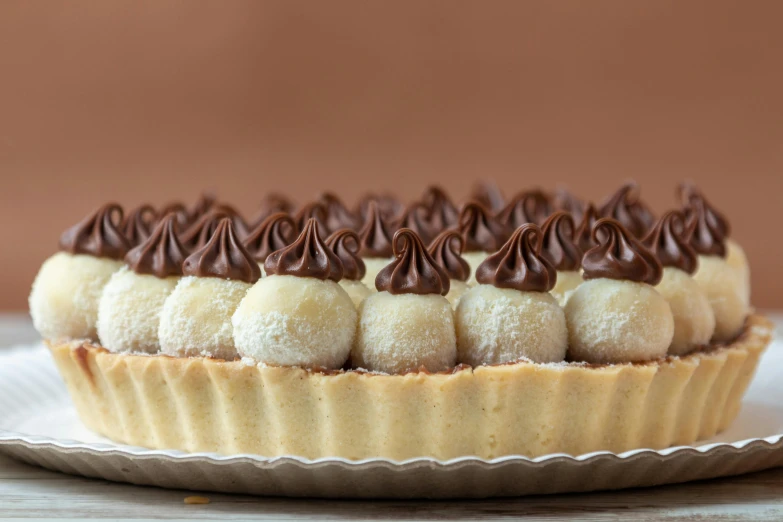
point(39, 425)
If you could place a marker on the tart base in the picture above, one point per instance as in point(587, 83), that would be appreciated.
point(205, 405)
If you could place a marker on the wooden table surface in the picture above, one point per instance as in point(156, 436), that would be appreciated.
point(27, 492)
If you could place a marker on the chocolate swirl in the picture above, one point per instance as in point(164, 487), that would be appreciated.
point(345, 243)
point(565, 200)
point(308, 256)
point(440, 212)
point(668, 242)
point(690, 196)
point(272, 204)
point(388, 205)
point(337, 214)
point(205, 203)
point(313, 210)
point(618, 255)
point(413, 271)
point(532, 206)
point(557, 242)
point(275, 232)
point(519, 264)
point(183, 218)
point(161, 254)
point(374, 237)
point(138, 225)
point(584, 232)
point(199, 233)
point(707, 228)
point(223, 256)
point(98, 234)
point(414, 218)
point(481, 232)
point(626, 207)
point(488, 194)
point(446, 250)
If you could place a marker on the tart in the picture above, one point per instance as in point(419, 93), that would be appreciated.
point(315, 359)
point(229, 407)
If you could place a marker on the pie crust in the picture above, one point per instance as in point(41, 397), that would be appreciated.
point(206, 405)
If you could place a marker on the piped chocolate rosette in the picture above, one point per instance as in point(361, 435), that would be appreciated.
point(298, 315)
point(629, 210)
point(345, 244)
point(482, 233)
point(138, 224)
point(196, 317)
point(722, 272)
point(408, 324)
point(532, 206)
point(510, 315)
point(66, 292)
point(168, 336)
point(558, 246)
point(375, 243)
point(616, 315)
point(276, 231)
point(446, 251)
point(135, 294)
point(694, 320)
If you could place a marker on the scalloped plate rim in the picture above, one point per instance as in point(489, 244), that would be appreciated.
point(10, 438)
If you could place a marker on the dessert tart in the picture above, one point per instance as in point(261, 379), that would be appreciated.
point(173, 339)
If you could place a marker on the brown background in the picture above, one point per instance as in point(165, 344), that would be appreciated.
point(155, 100)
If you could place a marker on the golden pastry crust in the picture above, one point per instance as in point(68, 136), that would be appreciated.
point(200, 404)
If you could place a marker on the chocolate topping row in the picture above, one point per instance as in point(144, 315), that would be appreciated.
point(527, 240)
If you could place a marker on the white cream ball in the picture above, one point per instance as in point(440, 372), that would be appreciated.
point(694, 321)
point(196, 317)
point(129, 311)
point(474, 259)
point(737, 259)
point(456, 290)
point(612, 321)
point(356, 290)
point(296, 321)
point(500, 325)
point(567, 282)
point(404, 332)
point(65, 295)
point(726, 293)
point(373, 266)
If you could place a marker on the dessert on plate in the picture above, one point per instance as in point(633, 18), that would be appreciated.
point(544, 324)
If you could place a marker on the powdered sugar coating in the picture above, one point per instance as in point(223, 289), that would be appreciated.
point(400, 333)
point(612, 321)
point(567, 282)
point(726, 293)
point(737, 259)
point(694, 321)
point(373, 265)
point(129, 311)
point(196, 317)
point(456, 290)
point(65, 295)
point(356, 290)
point(499, 325)
point(296, 321)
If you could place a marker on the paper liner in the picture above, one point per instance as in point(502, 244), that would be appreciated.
point(202, 405)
